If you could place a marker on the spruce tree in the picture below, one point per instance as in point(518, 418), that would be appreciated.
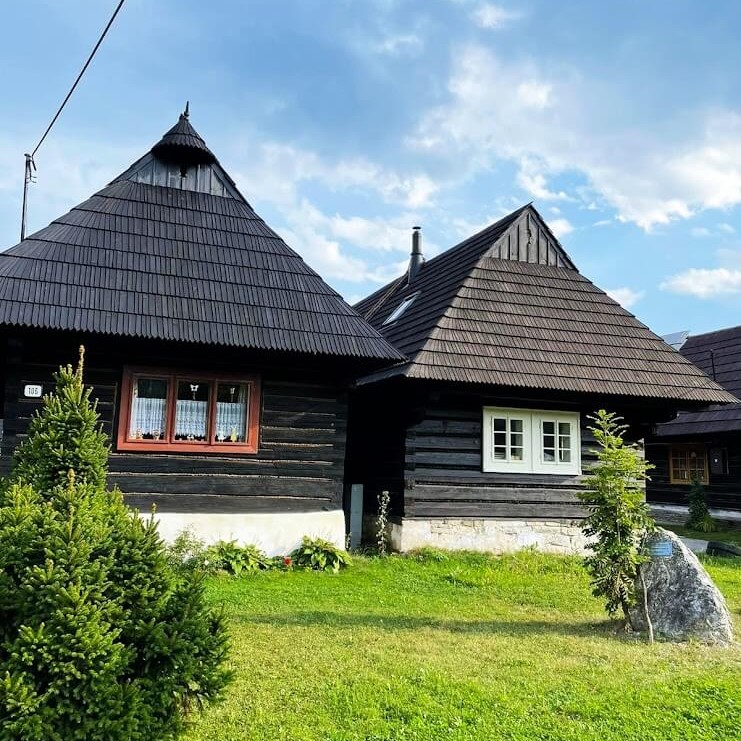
point(699, 517)
point(99, 638)
point(65, 435)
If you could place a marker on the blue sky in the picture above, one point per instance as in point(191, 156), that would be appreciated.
point(345, 122)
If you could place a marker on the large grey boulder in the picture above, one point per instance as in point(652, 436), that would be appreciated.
point(683, 602)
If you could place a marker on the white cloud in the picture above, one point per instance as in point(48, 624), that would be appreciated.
point(337, 246)
point(726, 228)
point(561, 227)
point(700, 231)
point(533, 181)
point(493, 17)
point(602, 222)
point(625, 296)
point(647, 176)
point(275, 172)
point(534, 94)
point(704, 282)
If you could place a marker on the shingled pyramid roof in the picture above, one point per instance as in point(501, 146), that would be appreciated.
point(719, 355)
point(190, 263)
point(507, 307)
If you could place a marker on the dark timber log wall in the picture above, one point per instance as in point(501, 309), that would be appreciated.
point(299, 466)
point(723, 490)
point(422, 442)
point(443, 476)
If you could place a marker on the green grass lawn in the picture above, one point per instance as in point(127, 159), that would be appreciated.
point(465, 647)
point(722, 534)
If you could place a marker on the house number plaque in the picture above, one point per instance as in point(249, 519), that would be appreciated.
point(32, 391)
point(661, 549)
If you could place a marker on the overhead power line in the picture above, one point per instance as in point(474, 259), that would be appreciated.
point(30, 164)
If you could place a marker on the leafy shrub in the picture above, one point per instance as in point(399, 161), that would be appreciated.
point(99, 638)
point(699, 512)
point(618, 514)
point(189, 553)
point(320, 555)
point(236, 559)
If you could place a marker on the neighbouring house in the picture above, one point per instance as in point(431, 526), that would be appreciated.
point(481, 436)
point(221, 362)
point(703, 444)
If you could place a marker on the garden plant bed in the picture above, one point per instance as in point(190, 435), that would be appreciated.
point(460, 647)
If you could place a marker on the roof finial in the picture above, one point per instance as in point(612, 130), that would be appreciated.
point(186, 112)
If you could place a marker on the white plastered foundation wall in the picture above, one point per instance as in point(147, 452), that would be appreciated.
point(489, 535)
point(275, 533)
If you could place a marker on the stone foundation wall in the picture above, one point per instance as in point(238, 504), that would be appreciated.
point(495, 536)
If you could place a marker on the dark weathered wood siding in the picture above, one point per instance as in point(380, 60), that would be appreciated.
point(427, 452)
point(723, 490)
point(299, 465)
point(443, 476)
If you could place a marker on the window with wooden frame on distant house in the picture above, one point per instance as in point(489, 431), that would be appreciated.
point(531, 441)
point(687, 462)
point(190, 412)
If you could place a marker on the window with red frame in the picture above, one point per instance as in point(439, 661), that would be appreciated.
point(195, 412)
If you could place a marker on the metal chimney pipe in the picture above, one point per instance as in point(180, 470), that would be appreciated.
point(416, 261)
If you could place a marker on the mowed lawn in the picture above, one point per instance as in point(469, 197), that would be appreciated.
point(460, 647)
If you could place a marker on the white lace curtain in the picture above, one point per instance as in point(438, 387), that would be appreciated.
point(147, 418)
point(191, 419)
point(230, 421)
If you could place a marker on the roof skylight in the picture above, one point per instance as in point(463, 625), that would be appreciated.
point(400, 309)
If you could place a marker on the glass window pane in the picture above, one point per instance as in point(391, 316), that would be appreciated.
point(191, 411)
point(516, 454)
point(500, 454)
point(549, 428)
point(148, 409)
point(231, 412)
point(564, 456)
point(564, 428)
point(515, 440)
point(500, 424)
point(515, 425)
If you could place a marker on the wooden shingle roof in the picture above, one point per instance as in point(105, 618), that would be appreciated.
point(719, 355)
point(507, 307)
point(159, 262)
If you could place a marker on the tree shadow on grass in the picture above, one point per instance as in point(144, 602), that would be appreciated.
point(405, 622)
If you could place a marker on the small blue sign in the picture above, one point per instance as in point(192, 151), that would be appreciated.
point(661, 549)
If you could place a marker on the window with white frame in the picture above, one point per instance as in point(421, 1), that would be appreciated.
point(531, 441)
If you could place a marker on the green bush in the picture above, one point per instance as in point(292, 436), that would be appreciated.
point(100, 639)
point(618, 514)
point(699, 514)
point(66, 435)
point(189, 553)
point(320, 555)
point(236, 559)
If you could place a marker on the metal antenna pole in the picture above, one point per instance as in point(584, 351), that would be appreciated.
point(27, 178)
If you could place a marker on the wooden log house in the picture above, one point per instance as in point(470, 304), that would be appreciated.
point(705, 444)
point(221, 362)
point(481, 436)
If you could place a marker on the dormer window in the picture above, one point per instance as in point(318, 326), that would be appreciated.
point(400, 309)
